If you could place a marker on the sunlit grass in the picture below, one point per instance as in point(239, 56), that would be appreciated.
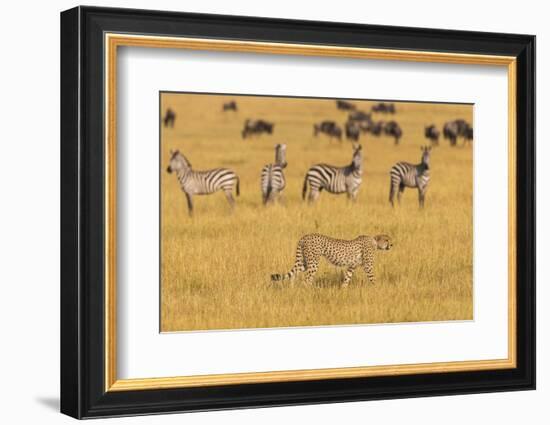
point(215, 267)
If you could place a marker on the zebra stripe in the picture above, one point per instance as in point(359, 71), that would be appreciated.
point(203, 182)
point(335, 179)
point(272, 178)
point(404, 174)
point(273, 182)
point(207, 182)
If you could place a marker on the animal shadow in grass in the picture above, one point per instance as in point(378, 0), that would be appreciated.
point(329, 280)
point(195, 286)
point(320, 281)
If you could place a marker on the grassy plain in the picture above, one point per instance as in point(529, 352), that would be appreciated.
point(215, 267)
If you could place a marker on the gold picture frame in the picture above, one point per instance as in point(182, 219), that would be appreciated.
point(114, 41)
point(91, 39)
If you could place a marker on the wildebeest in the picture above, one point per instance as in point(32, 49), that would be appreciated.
point(169, 118)
point(330, 128)
point(345, 106)
point(359, 116)
point(469, 135)
point(454, 129)
point(230, 106)
point(353, 130)
point(393, 129)
point(252, 127)
point(385, 108)
point(432, 134)
point(375, 128)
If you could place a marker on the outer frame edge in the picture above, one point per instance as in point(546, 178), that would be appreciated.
point(99, 409)
point(70, 349)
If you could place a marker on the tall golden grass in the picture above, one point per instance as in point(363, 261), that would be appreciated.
point(216, 266)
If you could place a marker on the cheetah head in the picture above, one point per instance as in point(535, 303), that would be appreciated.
point(383, 242)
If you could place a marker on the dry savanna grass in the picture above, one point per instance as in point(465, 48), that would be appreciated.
point(216, 266)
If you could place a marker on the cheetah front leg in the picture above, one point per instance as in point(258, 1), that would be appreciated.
point(369, 270)
point(347, 276)
point(312, 264)
point(310, 273)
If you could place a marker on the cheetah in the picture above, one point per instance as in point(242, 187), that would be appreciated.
point(342, 253)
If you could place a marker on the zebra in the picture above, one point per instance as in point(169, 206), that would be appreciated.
point(273, 179)
point(335, 179)
point(404, 174)
point(202, 182)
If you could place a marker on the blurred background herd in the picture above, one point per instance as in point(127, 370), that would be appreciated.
point(215, 267)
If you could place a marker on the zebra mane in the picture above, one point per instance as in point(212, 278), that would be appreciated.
point(356, 151)
point(178, 154)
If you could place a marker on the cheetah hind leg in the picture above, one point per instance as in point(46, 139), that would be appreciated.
point(311, 265)
point(347, 277)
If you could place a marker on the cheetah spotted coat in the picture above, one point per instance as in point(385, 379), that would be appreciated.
point(342, 253)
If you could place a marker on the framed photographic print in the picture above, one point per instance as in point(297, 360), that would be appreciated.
point(261, 212)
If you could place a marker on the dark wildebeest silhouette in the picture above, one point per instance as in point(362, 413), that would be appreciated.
point(452, 130)
point(375, 128)
point(229, 106)
point(469, 135)
point(330, 128)
point(359, 116)
point(258, 127)
point(345, 106)
point(352, 130)
point(432, 134)
point(384, 108)
point(393, 129)
point(169, 118)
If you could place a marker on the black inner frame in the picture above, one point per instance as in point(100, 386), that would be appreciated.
point(82, 212)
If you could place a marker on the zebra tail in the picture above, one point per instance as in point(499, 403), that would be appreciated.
point(269, 187)
point(268, 192)
point(304, 188)
point(238, 186)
